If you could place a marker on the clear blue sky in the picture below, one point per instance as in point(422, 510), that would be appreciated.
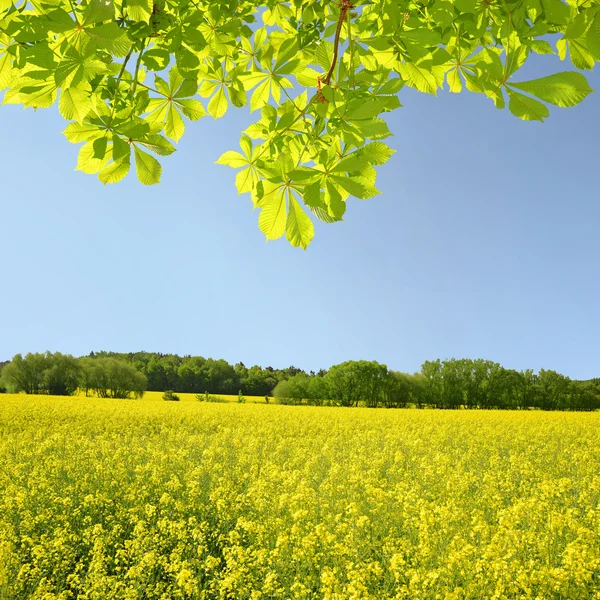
point(484, 243)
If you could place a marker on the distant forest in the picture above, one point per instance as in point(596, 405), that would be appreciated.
point(451, 383)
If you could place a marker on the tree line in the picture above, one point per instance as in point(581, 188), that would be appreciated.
point(113, 374)
point(452, 383)
point(194, 374)
point(63, 375)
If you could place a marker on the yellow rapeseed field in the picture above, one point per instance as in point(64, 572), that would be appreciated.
point(136, 499)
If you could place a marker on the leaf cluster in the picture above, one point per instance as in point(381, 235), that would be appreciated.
point(129, 75)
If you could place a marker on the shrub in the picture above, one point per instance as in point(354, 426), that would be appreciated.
point(212, 398)
point(206, 397)
point(171, 395)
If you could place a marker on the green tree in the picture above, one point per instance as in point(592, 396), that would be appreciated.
point(454, 383)
point(42, 373)
point(25, 374)
point(584, 395)
point(356, 381)
point(62, 374)
point(220, 376)
point(552, 390)
point(508, 385)
point(318, 390)
point(191, 374)
point(112, 378)
point(396, 390)
point(258, 381)
point(418, 390)
point(294, 390)
point(433, 382)
point(320, 76)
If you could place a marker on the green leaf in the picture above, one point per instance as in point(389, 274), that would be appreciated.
point(580, 57)
point(454, 81)
point(364, 109)
point(245, 180)
point(157, 144)
point(299, 228)
point(174, 126)
point(541, 47)
point(156, 59)
point(420, 78)
point(98, 11)
point(307, 77)
point(217, 107)
point(148, 169)
point(377, 153)
point(374, 129)
point(424, 36)
point(526, 108)
point(114, 172)
point(121, 149)
point(100, 146)
point(232, 159)
point(355, 187)
point(260, 96)
point(86, 161)
point(272, 218)
point(562, 89)
point(336, 207)
point(6, 71)
point(139, 10)
point(467, 6)
point(592, 39)
point(110, 37)
point(556, 11)
point(78, 132)
point(577, 27)
point(74, 104)
point(192, 109)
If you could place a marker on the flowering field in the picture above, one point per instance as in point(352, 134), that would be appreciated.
point(147, 499)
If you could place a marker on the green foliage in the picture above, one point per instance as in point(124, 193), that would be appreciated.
point(56, 374)
point(194, 374)
point(171, 396)
point(319, 77)
point(448, 384)
point(111, 378)
point(353, 382)
point(211, 398)
point(293, 390)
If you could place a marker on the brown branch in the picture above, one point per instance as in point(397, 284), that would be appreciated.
point(345, 6)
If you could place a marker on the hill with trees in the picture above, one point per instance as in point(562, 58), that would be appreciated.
point(447, 384)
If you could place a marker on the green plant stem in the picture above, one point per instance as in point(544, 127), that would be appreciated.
point(119, 77)
point(137, 68)
point(351, 46)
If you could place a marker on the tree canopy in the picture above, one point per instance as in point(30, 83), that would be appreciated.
point(128, 75)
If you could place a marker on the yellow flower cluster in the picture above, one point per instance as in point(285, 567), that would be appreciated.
point(116, 499)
